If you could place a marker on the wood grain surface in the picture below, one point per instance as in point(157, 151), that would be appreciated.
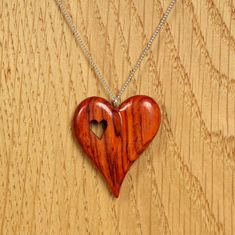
point(184, 183)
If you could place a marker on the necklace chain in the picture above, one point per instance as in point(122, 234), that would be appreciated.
point(115, 99)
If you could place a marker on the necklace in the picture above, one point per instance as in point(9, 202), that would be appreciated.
point(126, 129)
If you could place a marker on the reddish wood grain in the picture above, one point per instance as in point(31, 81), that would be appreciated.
point(130, 129)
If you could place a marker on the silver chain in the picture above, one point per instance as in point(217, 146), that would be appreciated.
point(86, 52)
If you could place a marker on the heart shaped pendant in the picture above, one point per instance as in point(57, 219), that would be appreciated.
point(128, 130)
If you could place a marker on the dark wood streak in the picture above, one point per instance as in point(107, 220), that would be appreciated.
point(130, 129)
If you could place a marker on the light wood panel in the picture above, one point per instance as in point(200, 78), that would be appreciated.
point(184, 183)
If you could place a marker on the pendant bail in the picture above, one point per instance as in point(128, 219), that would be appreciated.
point(115, 102)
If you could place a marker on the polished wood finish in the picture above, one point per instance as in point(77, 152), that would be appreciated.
point(130, 128)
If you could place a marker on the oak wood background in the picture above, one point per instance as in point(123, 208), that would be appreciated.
point(184, 183)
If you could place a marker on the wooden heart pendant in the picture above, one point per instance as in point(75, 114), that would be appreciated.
point(128, 130)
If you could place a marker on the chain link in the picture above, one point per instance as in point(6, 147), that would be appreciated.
point(115, 99)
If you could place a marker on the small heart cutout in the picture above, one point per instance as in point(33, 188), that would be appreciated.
point(124, 133)
point(98, 128)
